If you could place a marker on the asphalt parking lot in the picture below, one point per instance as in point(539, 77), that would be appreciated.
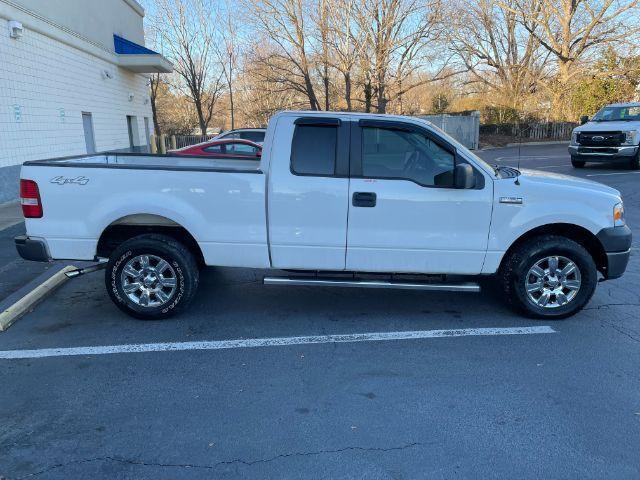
point(559, 400)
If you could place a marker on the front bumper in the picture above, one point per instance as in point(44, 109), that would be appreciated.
point(602, 154)
point(617, 246)
point(32, 249)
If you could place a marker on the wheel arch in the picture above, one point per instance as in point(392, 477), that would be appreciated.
point(573, 232)
point(130, 226)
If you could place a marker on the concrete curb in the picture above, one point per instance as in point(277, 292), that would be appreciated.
point(16, 310)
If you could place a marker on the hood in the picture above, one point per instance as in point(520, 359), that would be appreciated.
point(557, 179)
point(607, 126)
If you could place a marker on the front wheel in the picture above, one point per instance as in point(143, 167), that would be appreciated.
point(634, 163)
point(577, 163)
point(549, 277)
point(151, 277)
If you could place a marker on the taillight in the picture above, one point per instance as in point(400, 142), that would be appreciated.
point(30, 199)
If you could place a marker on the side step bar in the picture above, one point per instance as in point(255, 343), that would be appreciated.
point(322, 282)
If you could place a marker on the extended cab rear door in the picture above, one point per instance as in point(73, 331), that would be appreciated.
point(308, 193)
point(405, 214)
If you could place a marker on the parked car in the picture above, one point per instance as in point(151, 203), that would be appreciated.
point(224, 148)
point(254, 134)
point(612, 134)
point(389, 201)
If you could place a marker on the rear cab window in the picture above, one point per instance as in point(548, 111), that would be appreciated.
point(313, 150)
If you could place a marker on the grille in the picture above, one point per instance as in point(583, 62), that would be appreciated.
point(601, 139)
point(598, 150)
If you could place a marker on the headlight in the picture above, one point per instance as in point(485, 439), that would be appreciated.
point(574, 138)
point(630, 137)
point(618, 215)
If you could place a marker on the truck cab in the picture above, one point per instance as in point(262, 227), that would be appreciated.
point(612, 135)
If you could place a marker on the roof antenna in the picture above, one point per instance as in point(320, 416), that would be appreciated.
point(517, 182)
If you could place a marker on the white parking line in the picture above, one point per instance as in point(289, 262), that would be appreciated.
point(270, 342)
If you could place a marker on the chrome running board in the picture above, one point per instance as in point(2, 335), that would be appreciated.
point(338, 282)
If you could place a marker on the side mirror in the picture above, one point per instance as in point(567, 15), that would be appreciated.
point(584, 119)
point(464, 176)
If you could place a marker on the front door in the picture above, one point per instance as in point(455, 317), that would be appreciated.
point(405, 214)
point(309, 193)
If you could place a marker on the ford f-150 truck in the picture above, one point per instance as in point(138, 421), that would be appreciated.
point(613, 134)
point(342, 199)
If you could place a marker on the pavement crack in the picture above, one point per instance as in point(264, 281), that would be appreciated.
point(607, 305)
point(621, 330)
point(319, 452)
point(117, 459)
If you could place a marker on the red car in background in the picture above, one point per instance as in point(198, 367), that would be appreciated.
point(225, 148)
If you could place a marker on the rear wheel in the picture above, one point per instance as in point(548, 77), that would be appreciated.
point(549, 277)
point(577, 163)
point(151, 277)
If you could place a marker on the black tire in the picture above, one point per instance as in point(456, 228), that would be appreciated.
point(634, 163)
point(577, 163)
point(182, 267)
point(516, 266)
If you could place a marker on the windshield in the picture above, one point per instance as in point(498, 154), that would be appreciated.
point(618, 114)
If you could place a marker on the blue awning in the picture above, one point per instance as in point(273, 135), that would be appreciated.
point(139, 59)
point(127, 47)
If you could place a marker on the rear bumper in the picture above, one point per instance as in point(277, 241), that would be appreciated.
point(617, 246)
point(602, 154)
point(32, 249)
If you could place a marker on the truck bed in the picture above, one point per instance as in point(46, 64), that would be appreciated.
point(219, 202)
point(145, 161)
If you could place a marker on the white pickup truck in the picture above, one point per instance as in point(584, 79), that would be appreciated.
point(349, 200)
point(612, 135)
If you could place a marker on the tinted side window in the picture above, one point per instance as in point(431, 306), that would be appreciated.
point(213, 149)
point(257, 137)
point(313, 151)
point(407, 155)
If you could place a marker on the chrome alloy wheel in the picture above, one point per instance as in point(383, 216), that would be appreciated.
point(553, 282)
point(148, 281)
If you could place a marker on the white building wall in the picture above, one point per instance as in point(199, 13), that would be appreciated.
point(46, 84)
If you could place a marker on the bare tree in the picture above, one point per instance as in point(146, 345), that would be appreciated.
point(400, 39)
point(345, 40)
point(154, 84)
point(227, 49)
point(571, 29)
point(322, 37)
point(498, 53)
point(186, 31)
point(285, 24)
